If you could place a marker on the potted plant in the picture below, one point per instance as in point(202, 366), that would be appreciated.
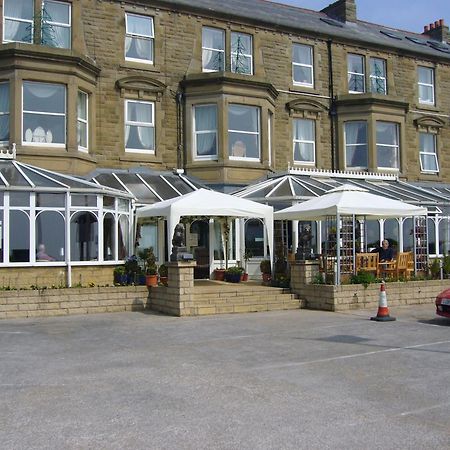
point(233, 274)
point(163, 273)
point(266, 270)
point(247, 255)
point(151, 269)
point(120, 276)
point(131, 268)
point(219, 274)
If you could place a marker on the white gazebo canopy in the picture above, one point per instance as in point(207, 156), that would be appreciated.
point(349, 200)
point(203, 202)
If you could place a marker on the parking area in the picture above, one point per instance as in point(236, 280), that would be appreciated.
point(279, 380)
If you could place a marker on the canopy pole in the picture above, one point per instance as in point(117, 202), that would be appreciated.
point(338, 250)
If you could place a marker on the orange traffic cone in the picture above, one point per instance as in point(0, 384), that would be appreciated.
point(383, 310)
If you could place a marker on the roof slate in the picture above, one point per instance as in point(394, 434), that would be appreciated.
point(290, 18)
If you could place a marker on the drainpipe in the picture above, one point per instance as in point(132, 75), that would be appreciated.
point(334, 158)
point(181, 148)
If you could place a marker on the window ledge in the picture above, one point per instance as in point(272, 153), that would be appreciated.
point(426, 107)
point(140, 157)
point(58, 152)
point(140, 66)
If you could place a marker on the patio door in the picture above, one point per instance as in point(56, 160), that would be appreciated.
point(197, 242)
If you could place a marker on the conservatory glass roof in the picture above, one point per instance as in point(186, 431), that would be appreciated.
point(299, 185)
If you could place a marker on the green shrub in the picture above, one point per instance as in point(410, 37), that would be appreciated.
point(265, 266)
point(364, 278)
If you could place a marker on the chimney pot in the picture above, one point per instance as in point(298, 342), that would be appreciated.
point(436, 23)
point(441, 22)
point(431, 26)
point(425, 28)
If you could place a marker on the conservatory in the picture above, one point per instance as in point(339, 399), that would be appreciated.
point(55, 221)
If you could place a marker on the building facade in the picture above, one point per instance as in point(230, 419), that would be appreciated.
point(228, 92)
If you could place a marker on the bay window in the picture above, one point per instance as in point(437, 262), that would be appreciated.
point(304, 141)
point(139, 38)
point(44, 114)
point(387, 145)
point(356, 148)
point(244, 132)
point(205, 131)
point(82, 121)
point(428, 156)
point(139, 126)
point(213, 50)
point(4, 114)
point(302, 65)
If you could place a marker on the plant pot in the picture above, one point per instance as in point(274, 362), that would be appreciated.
point(163, 280)
point(141, 280)
point(120, 279)
point(151, 280)
point(266, 277)
point(219, 274)
point(233, 277)
point(244, 277)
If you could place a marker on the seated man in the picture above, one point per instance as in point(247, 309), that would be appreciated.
point(386, 253)
point(41, 255)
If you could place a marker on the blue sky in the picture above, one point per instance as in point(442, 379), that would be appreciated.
point(410, 15)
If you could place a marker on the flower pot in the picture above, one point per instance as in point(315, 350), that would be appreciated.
point(233, 277)
point(266, 277)
point(120, 279)
point(244, 277)
point(151, 280)
point(163, 280)
point(219, 274)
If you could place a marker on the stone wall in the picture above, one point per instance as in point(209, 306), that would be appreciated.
point(60, 302)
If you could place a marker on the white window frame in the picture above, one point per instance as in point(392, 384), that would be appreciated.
point(303, 64)
point(45, 144)
point(196, 133)
point(246, 55)
point(358, 74)
point(84, 121)
point(374, 77)
point(17, 19)
point(424, 153)
point(140, 36)
point(253, 133)
point(140, 124)
point(6, 113)
point(214, 49)
point(427, 85)
point(60, 24)
point(392, 146)
point(366, 144)
point(303, 141)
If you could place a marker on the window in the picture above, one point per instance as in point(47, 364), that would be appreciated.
point(241, 53)
point(205, 126)
point(19, 236)
point(426, 85)
point(82, 121)
point(243, 132)
point(387, 145)
point(356, 154)
point(428, 156)
point(44, 114)
point(302, 65)
point(356, 74)
point(56, 24)
point(139, 45)
point(83, 237)
point(139, 126)
point(254, 237)
point(213, 49)
point(304, 141)
point(4, 114)
point(50, 235)
point(378, 83)
point(18, 21)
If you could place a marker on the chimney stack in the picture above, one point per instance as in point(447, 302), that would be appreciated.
point(342, 10)
point(437, 31)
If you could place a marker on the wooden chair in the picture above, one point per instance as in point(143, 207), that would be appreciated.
point(367, 262)
point(403, 265)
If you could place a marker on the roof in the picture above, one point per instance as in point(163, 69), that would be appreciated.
point(303, 20)
point(15, 175)
point(284, 189)
point(148, 186)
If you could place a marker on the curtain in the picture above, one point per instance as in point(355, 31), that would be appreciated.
point(20, 9)
point(304, 135)
point(141, 44)
point(206, 120)
point(212, 42)
point(4, 111)
point(356, 144)
point(123, 237)
point(243, 118)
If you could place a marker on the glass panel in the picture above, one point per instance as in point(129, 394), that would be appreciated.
point(254, 237)
point(108, 202)
point(444, 236)
point(19, 9)
point(140, 25)
point(82, 134)
point(425, 94)
point(387, 133)
point(18, 31)
point(1, 198)
point(19, 199)
point(391, 232)
point(4, 112)
point(50, 236)
point(206, 130)
point(356, 64)
point(213, 44)
point(19, 237)
point(109, 241)
point(243, 118)
point(50, 200)
point(82, 105)
point(431, 236)
point(124, 205)
point(83, 200)
point(13, 176)
point(304, 152)
point(44, 97)
point(241, 53)
point(84, 237)
point(408, 236)
point(243, 145)
point(425, 75)
point(429, 163)
point(123, 238)
point(356, 144)
point(302, 54)
point(1, 234)
point(41, 128)
point(57, 11)
point(213, 38)
point(139, 48)
point(302, 74)
point(147, 236)
point(373, 234)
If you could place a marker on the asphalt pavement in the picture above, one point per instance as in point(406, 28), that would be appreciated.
point(279, 380)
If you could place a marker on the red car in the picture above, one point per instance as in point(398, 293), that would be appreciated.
point(443, 303)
